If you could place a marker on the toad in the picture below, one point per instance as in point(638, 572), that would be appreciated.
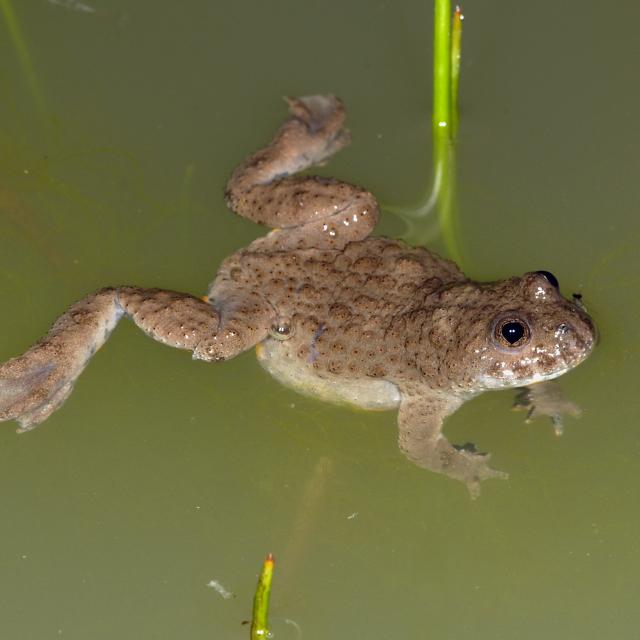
point(333, 312)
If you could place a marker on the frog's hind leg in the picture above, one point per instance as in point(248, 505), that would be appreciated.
point(35, 384)
point(317, 212)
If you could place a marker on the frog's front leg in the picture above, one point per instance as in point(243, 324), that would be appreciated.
point(421, 439)
point(315, 212)
point(35, 384)
point(546, 399)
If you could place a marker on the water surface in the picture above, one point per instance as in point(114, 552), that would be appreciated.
point(117, 134)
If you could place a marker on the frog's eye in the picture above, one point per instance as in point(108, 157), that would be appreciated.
point(512, 332)
point(550, 278)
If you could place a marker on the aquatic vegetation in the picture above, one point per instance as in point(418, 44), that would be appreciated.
point(456, 53)
point(447, 43)
point(260, 618)
point(19, 43)
point(446, 78)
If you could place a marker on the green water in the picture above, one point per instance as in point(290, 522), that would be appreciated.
point(118, 129)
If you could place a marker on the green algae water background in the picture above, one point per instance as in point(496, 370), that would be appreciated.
point(162, 483)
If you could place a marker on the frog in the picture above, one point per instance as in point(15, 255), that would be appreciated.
point(334, 312)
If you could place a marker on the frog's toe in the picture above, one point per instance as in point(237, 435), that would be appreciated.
point(478, 470)
point(469, 447)
point(29, 420)
point(546, 400)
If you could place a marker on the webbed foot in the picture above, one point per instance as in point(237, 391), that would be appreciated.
point(546, 399)
point(472, 467)
point(31, 388)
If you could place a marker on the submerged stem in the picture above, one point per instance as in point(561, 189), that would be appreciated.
point(20, 45)
point(447, 41)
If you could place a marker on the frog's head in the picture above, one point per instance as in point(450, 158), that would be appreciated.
point(525, 331)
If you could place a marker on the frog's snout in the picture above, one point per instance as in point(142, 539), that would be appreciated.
point(578, 336)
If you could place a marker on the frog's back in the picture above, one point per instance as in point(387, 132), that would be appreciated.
point(334, 311)
point(375, 278)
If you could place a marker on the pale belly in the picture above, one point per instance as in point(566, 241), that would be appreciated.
point(365, 393)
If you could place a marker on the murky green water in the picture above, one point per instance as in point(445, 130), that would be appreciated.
point(160, 474)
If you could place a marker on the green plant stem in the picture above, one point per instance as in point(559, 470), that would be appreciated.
point(187, 185)
point(20, 45)
point(447, 41)
point(446, 73)
point(444, 160)
point(456, 50)
point(260, 619)
point(441, 115)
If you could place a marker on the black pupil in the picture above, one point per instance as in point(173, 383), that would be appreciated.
point(551, 279)
point(512, 332)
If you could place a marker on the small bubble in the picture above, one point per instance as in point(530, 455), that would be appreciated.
point(281, 329)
